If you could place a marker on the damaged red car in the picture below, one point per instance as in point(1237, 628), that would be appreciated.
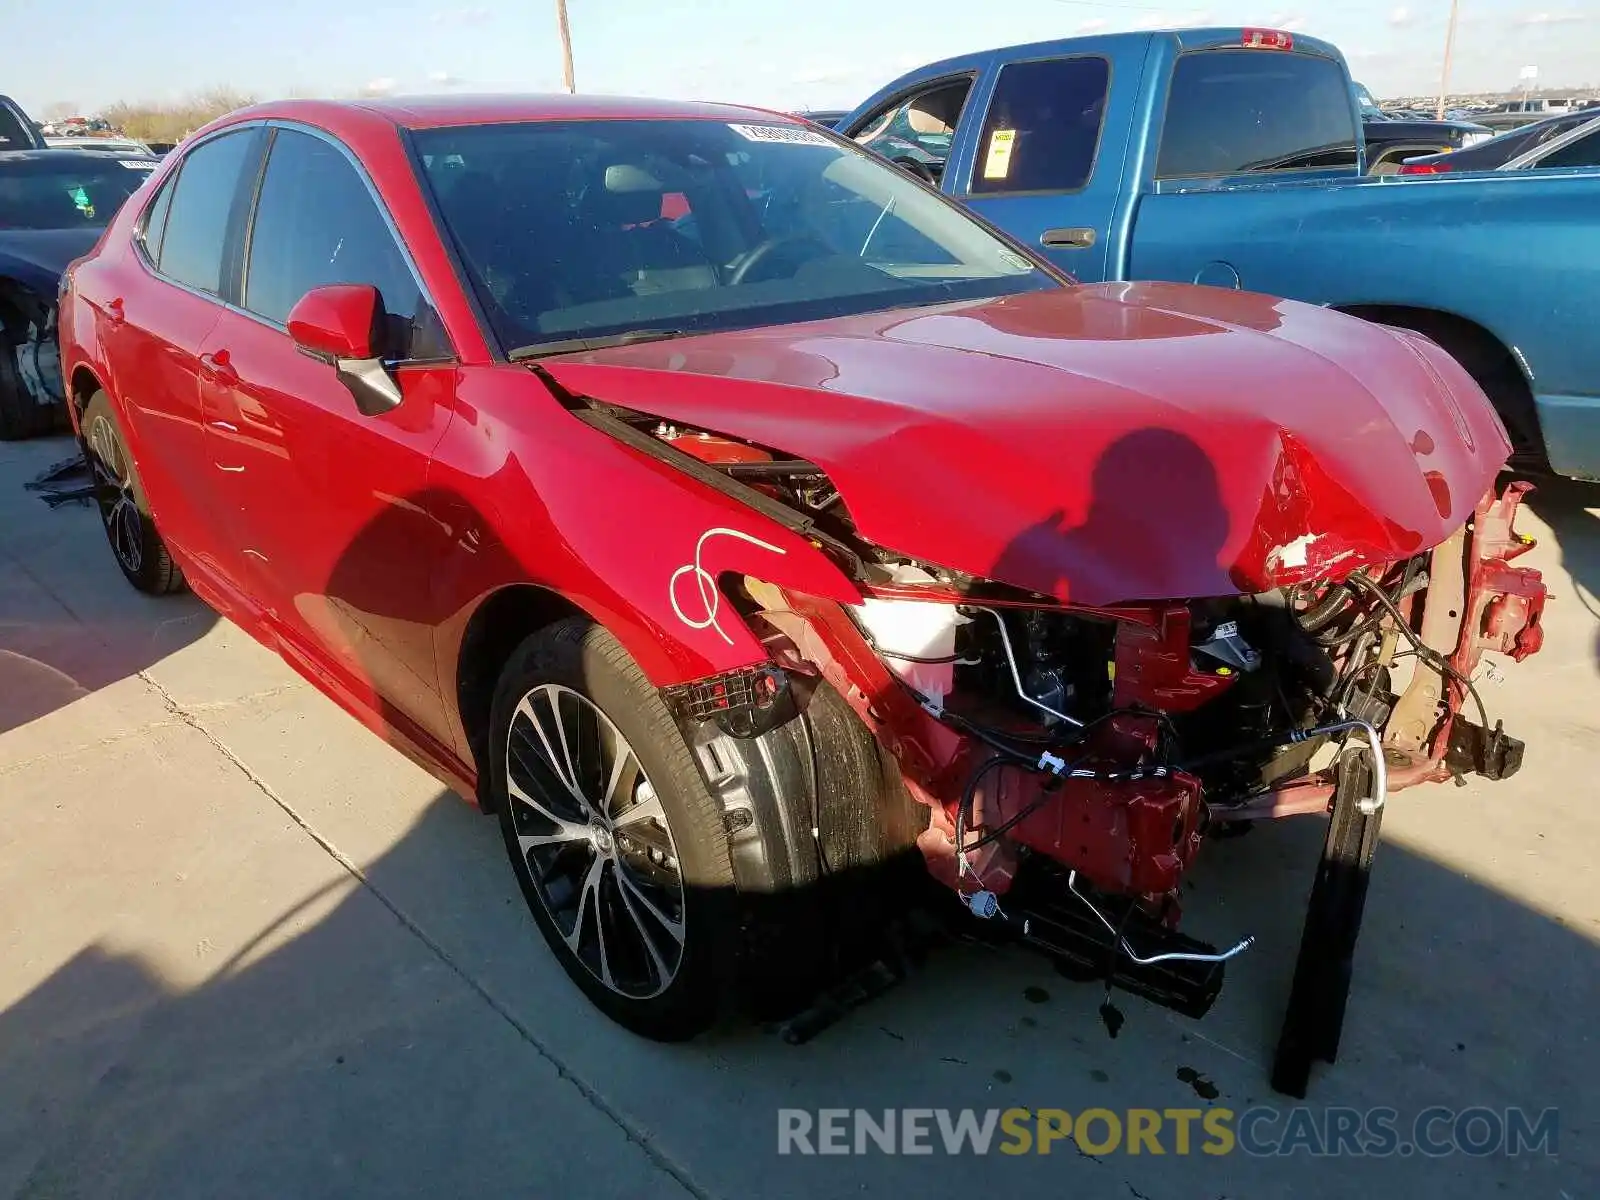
point(743, 522)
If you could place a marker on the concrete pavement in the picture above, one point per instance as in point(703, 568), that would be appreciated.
point(246, 949)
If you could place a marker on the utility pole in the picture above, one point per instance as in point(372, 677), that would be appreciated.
point(566, 46)
point(1449, 51)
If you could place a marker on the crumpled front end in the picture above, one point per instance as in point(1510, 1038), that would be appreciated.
point(1101, 623)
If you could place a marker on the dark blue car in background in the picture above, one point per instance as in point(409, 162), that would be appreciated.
point(54, 204)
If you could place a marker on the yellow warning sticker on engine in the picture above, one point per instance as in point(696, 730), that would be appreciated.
point(998, 161)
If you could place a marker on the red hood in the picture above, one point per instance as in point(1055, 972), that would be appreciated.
point(1100, 444)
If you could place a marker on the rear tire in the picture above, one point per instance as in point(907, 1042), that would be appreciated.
point(124, 511)
point(633, 892)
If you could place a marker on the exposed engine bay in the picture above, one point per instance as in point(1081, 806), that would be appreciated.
point(1074, 758)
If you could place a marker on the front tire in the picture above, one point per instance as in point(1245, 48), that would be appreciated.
point(124, 511)
point(619, 849)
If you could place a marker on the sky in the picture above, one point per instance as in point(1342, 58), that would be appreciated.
point(820, 54)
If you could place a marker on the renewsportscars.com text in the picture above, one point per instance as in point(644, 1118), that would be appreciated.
point(1260, 1131)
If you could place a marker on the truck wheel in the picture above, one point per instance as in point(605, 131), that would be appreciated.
point(124, 511)
point(620, 850)
point(20, 415)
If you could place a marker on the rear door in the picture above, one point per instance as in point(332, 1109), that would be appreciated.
point(329, 507)
point(167, 300)
point(1047, 163)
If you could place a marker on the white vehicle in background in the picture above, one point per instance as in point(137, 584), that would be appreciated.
point(122, 144)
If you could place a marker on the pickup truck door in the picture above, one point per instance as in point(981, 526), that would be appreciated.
point(1041, 154)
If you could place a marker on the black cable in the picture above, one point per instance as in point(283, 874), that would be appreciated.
point(915, 658)
point(969, 795)
point(1408, 582)
point(1427, 653)
point(1326, 610)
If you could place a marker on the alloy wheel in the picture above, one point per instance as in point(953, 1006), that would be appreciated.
point(596, 842)
point(113, 479)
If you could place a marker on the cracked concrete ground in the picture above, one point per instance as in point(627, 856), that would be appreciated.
point(247, 949)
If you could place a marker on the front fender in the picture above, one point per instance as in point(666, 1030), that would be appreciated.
point(630, 540)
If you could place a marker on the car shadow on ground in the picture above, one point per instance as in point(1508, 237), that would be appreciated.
point(69, 622)
point(402, 1035)
point(1571, 508)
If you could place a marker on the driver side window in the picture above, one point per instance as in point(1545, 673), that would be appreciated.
point(914, 131)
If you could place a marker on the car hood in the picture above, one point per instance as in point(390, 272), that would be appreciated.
point(1401, 129)
point(36, 258)
point(1098, 444)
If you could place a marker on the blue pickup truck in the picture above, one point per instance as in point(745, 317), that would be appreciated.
point(1234, 158)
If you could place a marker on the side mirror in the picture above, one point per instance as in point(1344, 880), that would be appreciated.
point(341, 324)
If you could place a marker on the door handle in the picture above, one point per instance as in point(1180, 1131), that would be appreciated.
point(114, 312)
point(219, 368)
point(1079, 238)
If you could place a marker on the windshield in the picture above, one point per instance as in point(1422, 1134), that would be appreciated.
point(81, 195)
point(1369, 106)
point(594, 228)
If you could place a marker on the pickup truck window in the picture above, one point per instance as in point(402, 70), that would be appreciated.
point(1585, 152)
point(1236, 111)
point(1043, 126)
point(915, 131)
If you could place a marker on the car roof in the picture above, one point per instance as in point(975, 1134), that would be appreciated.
point(435, 112)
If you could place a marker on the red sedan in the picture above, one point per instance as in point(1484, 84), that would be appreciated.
point(740, 520)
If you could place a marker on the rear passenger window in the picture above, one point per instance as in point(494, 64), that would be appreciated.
point(1043, 126)
point(1237, 111)
point(316, 223)
point(194, 242)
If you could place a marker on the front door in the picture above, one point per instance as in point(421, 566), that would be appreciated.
point(330, 508)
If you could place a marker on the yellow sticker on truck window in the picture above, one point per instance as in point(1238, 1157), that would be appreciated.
point(998, 161)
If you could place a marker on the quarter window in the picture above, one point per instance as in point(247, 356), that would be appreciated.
point(1237, 111)
point(316, 223)
point(155, 221)
point(1043, 126)
point(194, 244)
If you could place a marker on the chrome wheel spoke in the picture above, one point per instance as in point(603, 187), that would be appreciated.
point(673, 928)
point(663, 972)
point(526, 711)
point(566, 831)
point(614, 785)
point(610, 884)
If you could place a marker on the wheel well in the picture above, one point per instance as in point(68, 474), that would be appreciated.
point(500, 625)
point(1486, 358)
point(12, 296)
point(84, 386)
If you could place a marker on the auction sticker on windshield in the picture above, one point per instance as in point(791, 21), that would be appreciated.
point(134, 164)
point(789, 134)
